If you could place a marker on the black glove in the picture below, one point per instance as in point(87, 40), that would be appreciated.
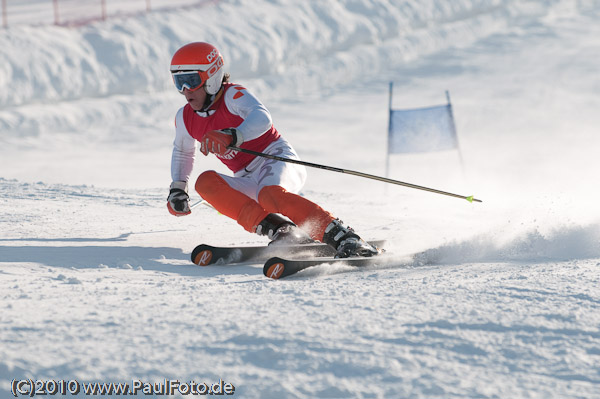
point(178, 201)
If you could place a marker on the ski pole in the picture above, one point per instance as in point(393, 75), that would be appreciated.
point(201, 202)
point(195, 204)
point(351, 172)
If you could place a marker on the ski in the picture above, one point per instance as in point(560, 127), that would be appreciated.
point(278, 267)
point(204, 254)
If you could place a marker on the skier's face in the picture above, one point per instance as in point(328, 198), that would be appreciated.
point(195, 98)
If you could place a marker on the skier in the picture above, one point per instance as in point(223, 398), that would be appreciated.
point(262, 193)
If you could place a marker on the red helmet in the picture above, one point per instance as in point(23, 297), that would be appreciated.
point(199, 57)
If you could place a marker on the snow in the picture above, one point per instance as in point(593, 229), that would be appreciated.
point(95, 278)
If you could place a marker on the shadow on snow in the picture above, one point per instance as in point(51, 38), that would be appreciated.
point(163, 259)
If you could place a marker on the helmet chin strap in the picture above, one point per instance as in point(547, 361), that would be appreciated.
point(208, 102)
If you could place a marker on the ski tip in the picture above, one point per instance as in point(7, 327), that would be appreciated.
point(202, 256)
point(274, 271)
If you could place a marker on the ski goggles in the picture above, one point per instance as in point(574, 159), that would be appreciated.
point(191, 80)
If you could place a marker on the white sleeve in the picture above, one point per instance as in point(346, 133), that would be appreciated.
point(184, 151)
point(257, 119)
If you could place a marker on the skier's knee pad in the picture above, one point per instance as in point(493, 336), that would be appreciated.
point(272, 197)
point(208, 182)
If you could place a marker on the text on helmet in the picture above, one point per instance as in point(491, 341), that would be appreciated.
point(210, 57)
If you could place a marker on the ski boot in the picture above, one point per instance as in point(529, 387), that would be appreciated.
point(282, 231)
point(346, 242)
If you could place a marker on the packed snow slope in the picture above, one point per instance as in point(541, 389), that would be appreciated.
point(95, 279)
